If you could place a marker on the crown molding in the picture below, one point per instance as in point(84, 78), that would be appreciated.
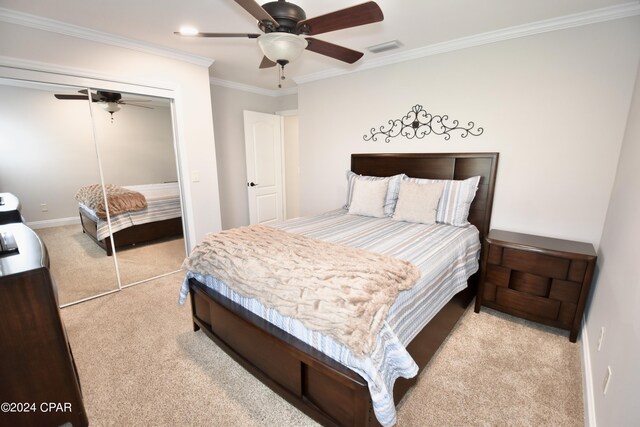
point(253, 89)
point(40, 23)
point(554, 24)
point(18, 70)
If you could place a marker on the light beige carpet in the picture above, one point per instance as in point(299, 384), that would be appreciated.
point(81, 268)
point(140, 363)
point(141, 262)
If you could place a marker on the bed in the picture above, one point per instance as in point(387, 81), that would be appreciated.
point(162, 218)
point(317, 384)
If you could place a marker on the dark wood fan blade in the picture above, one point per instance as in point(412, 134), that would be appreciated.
point(249, 35)
point(61, 96)
point(257, 11)
point(100, 96)
point(333, 50)
point(365, 13)
point(95, 97)
point(267, 63)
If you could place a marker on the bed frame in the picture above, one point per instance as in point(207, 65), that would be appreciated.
point(132, 235)
point(322, 388)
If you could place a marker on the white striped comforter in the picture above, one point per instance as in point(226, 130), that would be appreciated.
point(163, 202)
point(446, 256)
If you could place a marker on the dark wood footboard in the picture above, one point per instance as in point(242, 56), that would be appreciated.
point(317, 385)
point(132, 235)
point(90, 228)
point(322, 388)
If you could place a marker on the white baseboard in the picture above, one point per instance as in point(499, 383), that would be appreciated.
point(58, 222)
point(587, 379)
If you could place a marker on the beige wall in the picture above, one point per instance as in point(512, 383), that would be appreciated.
point(291, 165)
point(554, 105)
point(228, 105)
point(616, 297)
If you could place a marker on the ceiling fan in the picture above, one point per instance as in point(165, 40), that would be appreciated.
point(285, 27)
point(109, 101)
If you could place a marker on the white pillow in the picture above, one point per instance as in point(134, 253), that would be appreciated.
point(418, 202)
point(368, 197)
point(456, 199)
point(392, 189)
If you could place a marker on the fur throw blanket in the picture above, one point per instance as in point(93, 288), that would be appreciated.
point(120, 199)
point(340, 291)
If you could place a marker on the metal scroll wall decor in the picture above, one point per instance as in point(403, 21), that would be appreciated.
point(418, 123)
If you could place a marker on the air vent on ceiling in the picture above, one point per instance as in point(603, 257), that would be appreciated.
point(383, 47)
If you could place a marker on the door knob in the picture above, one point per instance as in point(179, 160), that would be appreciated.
point(252, 184)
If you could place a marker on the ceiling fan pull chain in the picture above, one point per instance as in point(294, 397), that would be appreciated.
point(280, 75)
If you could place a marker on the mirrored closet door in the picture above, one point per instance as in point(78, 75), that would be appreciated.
point(135, 139)
point(59, 145)
point(48, 154)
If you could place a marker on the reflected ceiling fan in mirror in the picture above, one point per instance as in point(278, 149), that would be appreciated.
point(109, 101)
point(285, 26)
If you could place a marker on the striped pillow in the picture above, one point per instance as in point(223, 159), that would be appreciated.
point(392, 190)
point(453, 208)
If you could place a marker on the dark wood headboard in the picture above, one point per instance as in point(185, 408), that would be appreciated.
point(439, 166)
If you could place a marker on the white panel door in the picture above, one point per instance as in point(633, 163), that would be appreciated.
point(263, 147)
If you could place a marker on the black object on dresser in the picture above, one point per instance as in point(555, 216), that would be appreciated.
point(39, 384)
point(538, 278)
point(9, 209)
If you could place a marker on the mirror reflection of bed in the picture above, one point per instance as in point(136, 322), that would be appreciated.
point(146, 227)
point(52, 154)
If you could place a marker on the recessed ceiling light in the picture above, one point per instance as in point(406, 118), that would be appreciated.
point(188, 31)
point(383, 47)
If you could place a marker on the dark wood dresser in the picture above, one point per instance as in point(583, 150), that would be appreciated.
point(39, 385)
point(538, 278)
point(9, 209)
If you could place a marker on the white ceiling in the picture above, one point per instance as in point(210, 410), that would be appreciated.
point(415, 23)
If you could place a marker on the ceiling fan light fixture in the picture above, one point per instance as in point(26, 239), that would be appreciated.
point(282, 47)
point(110, 107)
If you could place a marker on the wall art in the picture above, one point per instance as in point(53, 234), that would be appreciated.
point(419, 123)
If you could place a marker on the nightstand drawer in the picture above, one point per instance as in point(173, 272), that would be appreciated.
point(531, 262)
point(565, 291)
point(525, 303)
point(530, 283)
point(498, 275)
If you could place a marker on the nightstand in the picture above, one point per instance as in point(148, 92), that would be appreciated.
point(537, 278)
